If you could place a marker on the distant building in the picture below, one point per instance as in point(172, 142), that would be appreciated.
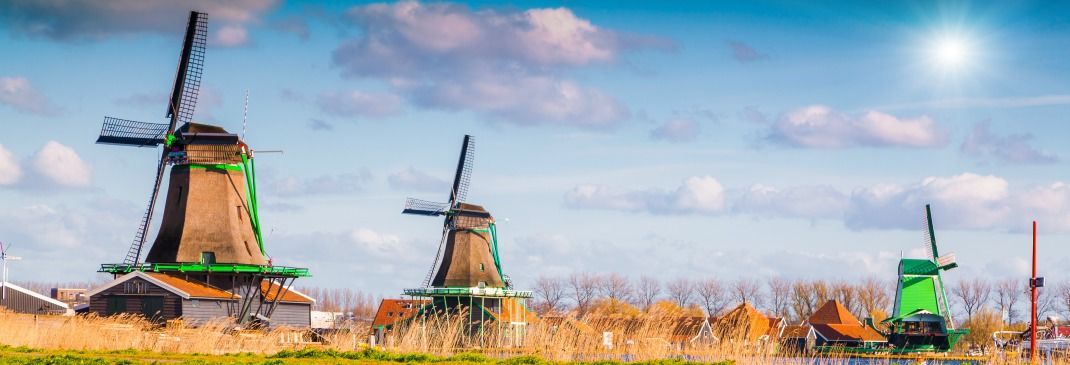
point(21, 300)
point(392, 311)
point(71, 296)
point(163, 297)
point(745, 325)
point(835, 327)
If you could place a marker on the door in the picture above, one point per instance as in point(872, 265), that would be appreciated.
point(152, 308)
point(115, 305)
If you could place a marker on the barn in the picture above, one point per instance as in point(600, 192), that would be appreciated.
point(21, 300)
point(162, 297)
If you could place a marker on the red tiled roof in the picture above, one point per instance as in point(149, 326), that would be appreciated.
point(192, 288)
point(833, 313)
point(271, 291)
point(393, 310)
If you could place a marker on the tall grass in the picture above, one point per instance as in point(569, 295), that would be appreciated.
point(645, 339)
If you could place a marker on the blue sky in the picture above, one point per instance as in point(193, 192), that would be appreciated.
point(696, 139)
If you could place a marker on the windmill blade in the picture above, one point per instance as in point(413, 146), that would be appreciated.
point(424, 207)
point(438, 256)
point(133, 255)
point(131, 133)
point(463, 175)
point(930, 233)
point(190, 66)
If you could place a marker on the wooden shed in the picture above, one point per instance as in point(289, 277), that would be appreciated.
point(21, 300)
point(162, 297)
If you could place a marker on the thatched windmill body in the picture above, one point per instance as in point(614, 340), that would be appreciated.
point(466, 277)
point(210, 230)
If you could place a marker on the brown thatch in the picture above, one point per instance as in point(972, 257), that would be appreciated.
point(746, 324)
point(467, 260)
point(205, 211)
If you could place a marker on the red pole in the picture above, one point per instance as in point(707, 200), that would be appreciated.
point(1033, 301)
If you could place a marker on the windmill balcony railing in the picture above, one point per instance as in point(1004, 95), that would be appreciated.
point(281, 271)
point(475, 291)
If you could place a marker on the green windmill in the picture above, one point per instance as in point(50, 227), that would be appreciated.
point(921, 320)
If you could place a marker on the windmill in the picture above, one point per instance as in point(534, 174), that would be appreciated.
point(210, 225)
point(921, 318)
point(467, 274)
point(5, 258)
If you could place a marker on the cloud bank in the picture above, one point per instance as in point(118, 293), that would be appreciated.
point(505, 65)
point(965, 201)
point(819, 126)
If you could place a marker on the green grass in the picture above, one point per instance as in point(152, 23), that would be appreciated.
point(25, 355)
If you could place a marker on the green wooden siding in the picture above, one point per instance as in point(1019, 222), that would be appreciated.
point(919, 292)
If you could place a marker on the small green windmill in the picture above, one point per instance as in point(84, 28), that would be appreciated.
point(921, 320)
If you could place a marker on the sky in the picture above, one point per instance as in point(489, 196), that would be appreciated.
point(678, 139)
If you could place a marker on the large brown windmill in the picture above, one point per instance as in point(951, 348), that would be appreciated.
point(210, 231)
point(467, 274)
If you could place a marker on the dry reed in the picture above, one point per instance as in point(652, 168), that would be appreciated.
point(634, 340)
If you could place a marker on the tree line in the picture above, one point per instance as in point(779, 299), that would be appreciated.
point(794, 300)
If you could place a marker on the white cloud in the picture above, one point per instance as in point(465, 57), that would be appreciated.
point(808, 202)
point(506, 65)
point(697, 194)
point(413, 179)
point(677, 130)
point(230, 36)
point(359, 103)
point(819, 126)
point(61, 165)
point(10, 171)
point(965, 201)
point(17, 93)
point(1014, 148)
point(376, 243)
point(346, 183)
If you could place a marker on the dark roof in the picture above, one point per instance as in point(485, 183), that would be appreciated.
point(799, 331)
point(848, 333)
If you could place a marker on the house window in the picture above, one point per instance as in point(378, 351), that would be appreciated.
point(135, 287)
point(207, 258)
point(482, 284)
point(480, 267)
point(195, 303)
point(389, 314)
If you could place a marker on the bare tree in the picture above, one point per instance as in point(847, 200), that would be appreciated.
point(1008, 291)
point(847, 295)
point(680, 291)
point(779, 291)
point(1063, 297)
point(617, 287)
point(748, 291)
point(873, 298)
point(972, 295)
point(550, 292)
point(647, 290)
point(712, 294)
point(584, 288)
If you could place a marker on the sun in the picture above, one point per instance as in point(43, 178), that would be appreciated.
point(951, 53)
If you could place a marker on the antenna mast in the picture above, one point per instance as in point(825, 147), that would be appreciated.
point(245, 114)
